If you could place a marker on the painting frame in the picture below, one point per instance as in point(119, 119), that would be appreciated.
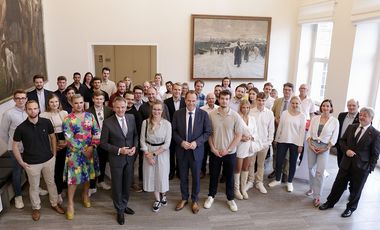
point(217, 40)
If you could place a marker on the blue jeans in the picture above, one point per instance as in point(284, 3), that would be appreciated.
point(282, 148)
point(16, 174)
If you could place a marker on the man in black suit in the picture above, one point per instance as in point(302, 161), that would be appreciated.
point(100, 113)
point(174, 103)
point(361, 145)
point(39, 94)
point(119, 139)
point(81, 89)
point(60, 92)
point(346, 119)
point(191, 129)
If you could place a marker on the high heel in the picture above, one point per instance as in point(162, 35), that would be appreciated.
point(69, 215)
point(87, 203)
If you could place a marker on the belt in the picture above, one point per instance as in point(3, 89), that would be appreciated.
point(159, 144)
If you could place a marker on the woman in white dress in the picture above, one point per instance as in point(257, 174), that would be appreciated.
point(322, 135)
point(290, 136)
point(156, 134)
point(247, 147)
point(56, 115)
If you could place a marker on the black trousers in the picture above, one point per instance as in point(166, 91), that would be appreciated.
point(357, 178)
point(103, 158)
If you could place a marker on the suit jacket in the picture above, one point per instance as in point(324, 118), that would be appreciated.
point(341, 118)
point(112, 139)
point(170, 104)
point(201, 131)
point(32, 95)
point(138, 118)
point(277, 109)
point(367, 149)
point(107, 112)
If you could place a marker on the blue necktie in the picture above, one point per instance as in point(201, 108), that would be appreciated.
point(190, 127)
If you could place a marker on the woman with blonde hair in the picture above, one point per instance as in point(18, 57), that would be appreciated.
point(128, 83)
point(246, 149)
point(290, 136)
point(156, 134)
point(82, 134)
point(56, 115)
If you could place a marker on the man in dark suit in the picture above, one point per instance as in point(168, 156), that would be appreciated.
point(361, 145)
point(174, 103)
point(346, 119)
point(39, 94)
point(191, 129)
point(100, 113)
point(60, 92)
point(119, 139)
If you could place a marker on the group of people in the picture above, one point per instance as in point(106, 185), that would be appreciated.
point(70, 134)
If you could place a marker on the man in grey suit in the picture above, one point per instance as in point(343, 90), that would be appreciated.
point(191, 129)
point(119, 138)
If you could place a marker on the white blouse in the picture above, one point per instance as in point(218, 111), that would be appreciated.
point(291, 129)
point(329, 132)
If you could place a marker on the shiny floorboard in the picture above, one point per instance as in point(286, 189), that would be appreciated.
point(276, 210)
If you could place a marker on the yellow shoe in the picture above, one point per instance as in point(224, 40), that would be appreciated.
point(69, 215)
point(87, 204)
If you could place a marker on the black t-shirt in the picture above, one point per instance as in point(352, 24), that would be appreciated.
point(35, 139)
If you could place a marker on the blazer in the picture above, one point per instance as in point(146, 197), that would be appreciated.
point(107, 112)
point(170, 104)
point(277, 109)
point(367, 149)
point(201, 131)
point(341, 118)
point(32, 95)
point(112, 138)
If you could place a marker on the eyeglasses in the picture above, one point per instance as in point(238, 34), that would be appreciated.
point(20, 98)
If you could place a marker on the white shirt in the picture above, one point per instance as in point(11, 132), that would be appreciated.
point(307, 107)
point(291, 129)
point(265, 125)
point(100, 115)
point(122, 120)
point(207, 108)
point(187, 119)
point(269, 102)
point(177, 103)
point(329, 132)
point(364, 129)
point(235, 104)
point(41, 100)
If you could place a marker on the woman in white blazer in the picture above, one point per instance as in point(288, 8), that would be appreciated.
point(322, 135)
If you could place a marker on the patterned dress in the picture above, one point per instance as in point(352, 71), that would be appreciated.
point(79, 136)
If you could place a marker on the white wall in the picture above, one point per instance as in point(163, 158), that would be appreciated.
point(72, 26)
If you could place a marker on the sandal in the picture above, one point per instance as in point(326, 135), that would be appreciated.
point(317, 202)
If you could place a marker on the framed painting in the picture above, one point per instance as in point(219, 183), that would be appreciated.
point(22, 45)
point(230, 46)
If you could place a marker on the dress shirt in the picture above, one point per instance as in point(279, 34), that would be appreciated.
point(330, 131)
point(269, 102)
point(100, 115)
point(364, 129)
point(307, 107)
point(187, 119)
point(138, 104)
point(177, 103)
point(235, 104)
point(265, 125)
point(348, 120)
point(122, 120)
point(108, 86)
point(41, 100)
point(207, 108)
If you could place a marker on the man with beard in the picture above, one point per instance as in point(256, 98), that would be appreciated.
point(235, 101)
point(145, 109)
point(39, 94)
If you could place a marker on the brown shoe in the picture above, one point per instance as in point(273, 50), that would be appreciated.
point(58, 209)
point(195, 207)
point(136, 188)
point(180, 205)
point(36, 214)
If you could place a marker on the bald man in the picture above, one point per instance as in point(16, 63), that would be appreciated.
point(307, 104)
point(346, 119)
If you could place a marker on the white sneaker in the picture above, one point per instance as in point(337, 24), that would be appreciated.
point(91, 191)
point(274, 183)
point(232, 205)
point(261, 188)
point(248, 186)
point(208, 202)
point(310, 192)
point(18, 202)
point(290, 187)
point(104, 186)
point(43, 192)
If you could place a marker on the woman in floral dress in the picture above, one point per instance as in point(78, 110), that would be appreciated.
point(82, 135)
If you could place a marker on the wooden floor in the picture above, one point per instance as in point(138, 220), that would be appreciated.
point(276, 210)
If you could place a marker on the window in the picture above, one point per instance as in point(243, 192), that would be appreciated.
point(314, 57)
